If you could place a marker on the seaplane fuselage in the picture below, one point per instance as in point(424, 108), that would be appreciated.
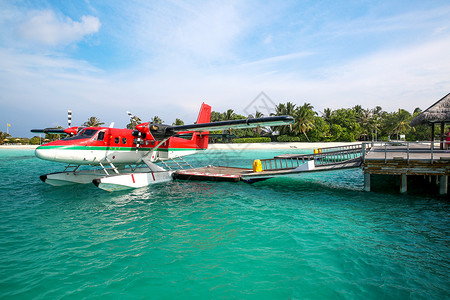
point(94, 145)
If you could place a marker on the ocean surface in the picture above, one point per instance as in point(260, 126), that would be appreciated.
point(316, 236)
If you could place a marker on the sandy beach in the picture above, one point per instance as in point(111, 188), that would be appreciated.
point(246, 146)
point(18, 146)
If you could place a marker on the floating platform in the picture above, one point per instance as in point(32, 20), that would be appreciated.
point(327, 159)
point(212, 173)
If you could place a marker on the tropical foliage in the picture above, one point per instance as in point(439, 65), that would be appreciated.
point(178, 122)
point(134, 121)
point(156, 120)
point(4, 136)
point(339, 125)
point(92, 122)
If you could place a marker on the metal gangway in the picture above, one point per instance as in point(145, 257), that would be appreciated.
point(176, 163)
point(323, 158)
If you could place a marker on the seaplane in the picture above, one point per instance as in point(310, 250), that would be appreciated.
point(126, 158)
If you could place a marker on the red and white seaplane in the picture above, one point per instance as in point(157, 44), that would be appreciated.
point(126, 158)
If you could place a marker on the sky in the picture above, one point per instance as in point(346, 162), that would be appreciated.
point(164, 58)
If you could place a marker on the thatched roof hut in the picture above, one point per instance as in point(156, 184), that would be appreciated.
point(439, 112)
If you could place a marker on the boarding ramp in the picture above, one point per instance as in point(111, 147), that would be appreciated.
point(176, 163)
point(323, 158)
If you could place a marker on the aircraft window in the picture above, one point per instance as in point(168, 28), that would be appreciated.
point(83, 134)
point(116, 140)
point(88, 133)
point(101, 136)
point(124, 140)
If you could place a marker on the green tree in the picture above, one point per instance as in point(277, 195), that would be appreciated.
point(326, 115)
point(53, 136)
point(156, 120)
point(303, 117)
point(320, 131)
point(134, 121)
point(229, 115)
point(178, 122)
point(364, 117)
point(375, 121)
point(402, 120)
point(283, 110)
point(35, 140)
point(216, 116)
point(348, 129)
point(4, 136)
point(92, 122)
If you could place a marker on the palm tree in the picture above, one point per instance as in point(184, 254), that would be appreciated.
point(290, 109)
point(3, 136)
point(402, 118)
point(258, 114)
point(178, 122)
point(283, 110)
point(229, 115)
point(303, 119)
point(280, 110)
point(92, 122)
point(326, 115)
point(156, 120)
point(375, 121)
point(134, 120)
point(363, 117)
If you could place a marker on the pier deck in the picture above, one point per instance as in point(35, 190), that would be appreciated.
point(405, 160)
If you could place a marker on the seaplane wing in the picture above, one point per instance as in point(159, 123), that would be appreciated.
point(68, 131)
point(49, 131)
point(232, 124)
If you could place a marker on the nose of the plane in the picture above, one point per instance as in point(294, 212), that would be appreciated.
point(44, 152)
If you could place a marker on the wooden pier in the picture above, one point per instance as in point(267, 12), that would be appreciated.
point(407, 159)
point(326, 159)
point(395, 159)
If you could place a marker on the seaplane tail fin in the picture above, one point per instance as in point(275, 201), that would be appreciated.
point(204, 116)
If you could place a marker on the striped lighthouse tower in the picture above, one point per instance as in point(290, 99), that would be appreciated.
point(69, 118)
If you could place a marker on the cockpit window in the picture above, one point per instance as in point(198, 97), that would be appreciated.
point(84, 134)
point(101, 136)
point(88, 133)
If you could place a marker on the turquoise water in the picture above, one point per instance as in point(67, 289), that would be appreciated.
point(312, 237)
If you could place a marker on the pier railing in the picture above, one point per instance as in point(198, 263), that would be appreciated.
point(323, 157)
point(407, 150)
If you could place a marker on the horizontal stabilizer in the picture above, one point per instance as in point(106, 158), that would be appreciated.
point(232, 124)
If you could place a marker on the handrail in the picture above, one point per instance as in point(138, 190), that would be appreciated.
point(406, 147)
point(328, 156)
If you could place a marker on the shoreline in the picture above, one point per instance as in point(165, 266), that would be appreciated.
point(243, 146)
point(18, 146)
point(277, 145)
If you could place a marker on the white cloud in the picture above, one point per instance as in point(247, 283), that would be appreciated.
point(268, 39)
point(46, 28)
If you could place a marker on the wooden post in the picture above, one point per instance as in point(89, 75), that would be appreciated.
point(443, 185)
point(432, 135)
point(442, 136)
point(403, 184)
point(367, 182)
